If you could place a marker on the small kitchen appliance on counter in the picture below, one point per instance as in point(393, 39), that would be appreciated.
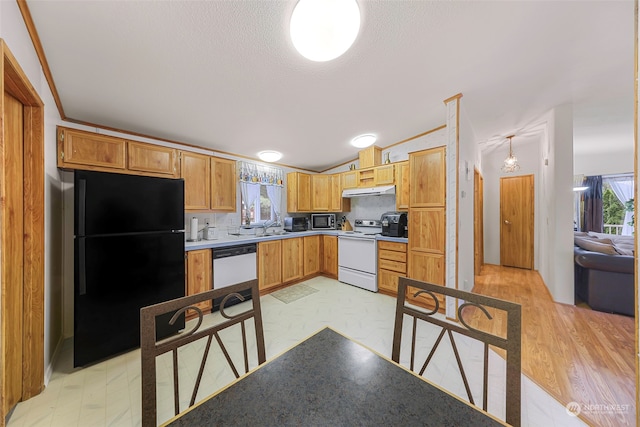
point(295, 223)
point(394, 224)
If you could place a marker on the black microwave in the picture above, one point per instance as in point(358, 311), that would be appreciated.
point(295, 223)
point(323, 221)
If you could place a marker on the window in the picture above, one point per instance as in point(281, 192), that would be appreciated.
point(259, 209)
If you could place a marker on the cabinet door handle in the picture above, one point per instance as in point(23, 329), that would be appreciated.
point(507, 222)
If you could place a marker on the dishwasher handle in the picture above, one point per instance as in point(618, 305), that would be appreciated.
point(230, 251)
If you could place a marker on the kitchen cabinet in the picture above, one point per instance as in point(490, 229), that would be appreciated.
point(311, 251)
point(337, 203)
point(427, 220)
point(292, 259)
point(370, 156)
point(224, 184)
point(152, 159)
point(427, 176)
point(195, 169)
point(198, 274)
point(392, 264)
point(320, 192)
point(269, 264)
point(330, 256)
point(384, 175)
point(90, 151)
point(402, 186)
point(350, 179)
point(298, 192)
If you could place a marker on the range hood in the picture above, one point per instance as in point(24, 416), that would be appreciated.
point(371, 191)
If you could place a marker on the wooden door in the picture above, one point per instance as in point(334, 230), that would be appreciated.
point(516, 221)
point(478, 221)
point(224, 184)
point(195, 169)
point(427, 176)
point(92, 150)
point(311, 252)
point(330, 256)
point(384, 175)
point(269, 264)
point(12, 255)
point(199, 268)
point(304, 192)
point(402, 186)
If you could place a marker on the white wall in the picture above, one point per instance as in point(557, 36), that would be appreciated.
point(528, 155)
point(467, 152)
point(607, 163)
point(14, 33)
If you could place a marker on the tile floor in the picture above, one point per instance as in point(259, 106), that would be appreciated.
point(108, 393)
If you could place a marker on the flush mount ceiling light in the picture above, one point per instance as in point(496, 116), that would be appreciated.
point(362, 141)
point(322, 30)
point(270, 156)
point(511, 162)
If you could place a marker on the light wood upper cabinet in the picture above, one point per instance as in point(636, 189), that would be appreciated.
point(86, 150)
point(155, 159)
point(336, 202)
point(195, 169)
point(427, 176)
point(269, 264)
point(311, 249)
point(198, 275)
point(298, 192)
point(320, 192)
point(402, 186)
point(384, 175)
point(370, 156)
point(292, 259)
point(224, 183)
point(350, 179)
point(330, 255)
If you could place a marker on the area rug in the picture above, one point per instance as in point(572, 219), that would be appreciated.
point(293, 293)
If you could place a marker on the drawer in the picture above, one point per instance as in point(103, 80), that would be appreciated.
point(400, 267)
point(392, 246)
point(393, 256)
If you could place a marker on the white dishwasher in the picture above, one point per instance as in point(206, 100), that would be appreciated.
point(231, 265)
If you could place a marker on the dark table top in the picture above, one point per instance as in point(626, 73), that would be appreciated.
point(330, 380)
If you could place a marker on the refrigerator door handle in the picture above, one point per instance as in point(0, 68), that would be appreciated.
point(82, 271)
point(82, 198)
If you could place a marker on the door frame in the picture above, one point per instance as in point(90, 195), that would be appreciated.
point(14, 81)
point(478, 221)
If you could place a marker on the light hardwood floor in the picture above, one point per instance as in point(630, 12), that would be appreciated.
point(575, 354)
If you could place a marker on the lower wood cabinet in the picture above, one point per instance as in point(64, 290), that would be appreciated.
point(311, 250)
point(426, 267)
point(198, 273)
point(392, 264)
point(292, 259)
point(330, 256)
point(269, 264)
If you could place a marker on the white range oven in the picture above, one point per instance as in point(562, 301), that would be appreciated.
point(358, 255)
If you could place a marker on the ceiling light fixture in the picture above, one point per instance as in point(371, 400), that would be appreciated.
point(511, 162)
point(270, 156)
point(322, 30)
point(363, 141)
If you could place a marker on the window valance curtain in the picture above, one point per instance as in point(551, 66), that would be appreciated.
point(260, 174)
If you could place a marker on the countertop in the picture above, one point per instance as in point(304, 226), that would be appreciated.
point(225, 240)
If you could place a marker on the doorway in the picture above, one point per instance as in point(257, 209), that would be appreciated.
point(22, 237)
point(517, 221)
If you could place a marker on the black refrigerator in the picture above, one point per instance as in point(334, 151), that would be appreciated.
point(128, 253)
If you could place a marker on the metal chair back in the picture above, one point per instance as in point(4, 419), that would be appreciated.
point(511, 342)
point(151, 348)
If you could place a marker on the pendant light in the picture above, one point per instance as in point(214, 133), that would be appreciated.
point(511, 162)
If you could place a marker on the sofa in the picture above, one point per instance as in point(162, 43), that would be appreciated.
point(604, 272)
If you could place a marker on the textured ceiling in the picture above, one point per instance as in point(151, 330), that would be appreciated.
point(224, 74)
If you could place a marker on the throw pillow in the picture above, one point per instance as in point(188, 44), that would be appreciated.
point(623, 248)
point(596, 246)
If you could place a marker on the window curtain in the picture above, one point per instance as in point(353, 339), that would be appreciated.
point(593, 205)
point(623, 189)
point(253, 175)
point(250, 193)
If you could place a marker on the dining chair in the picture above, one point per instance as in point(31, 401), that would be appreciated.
point(509, 340)
point(151, 348)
